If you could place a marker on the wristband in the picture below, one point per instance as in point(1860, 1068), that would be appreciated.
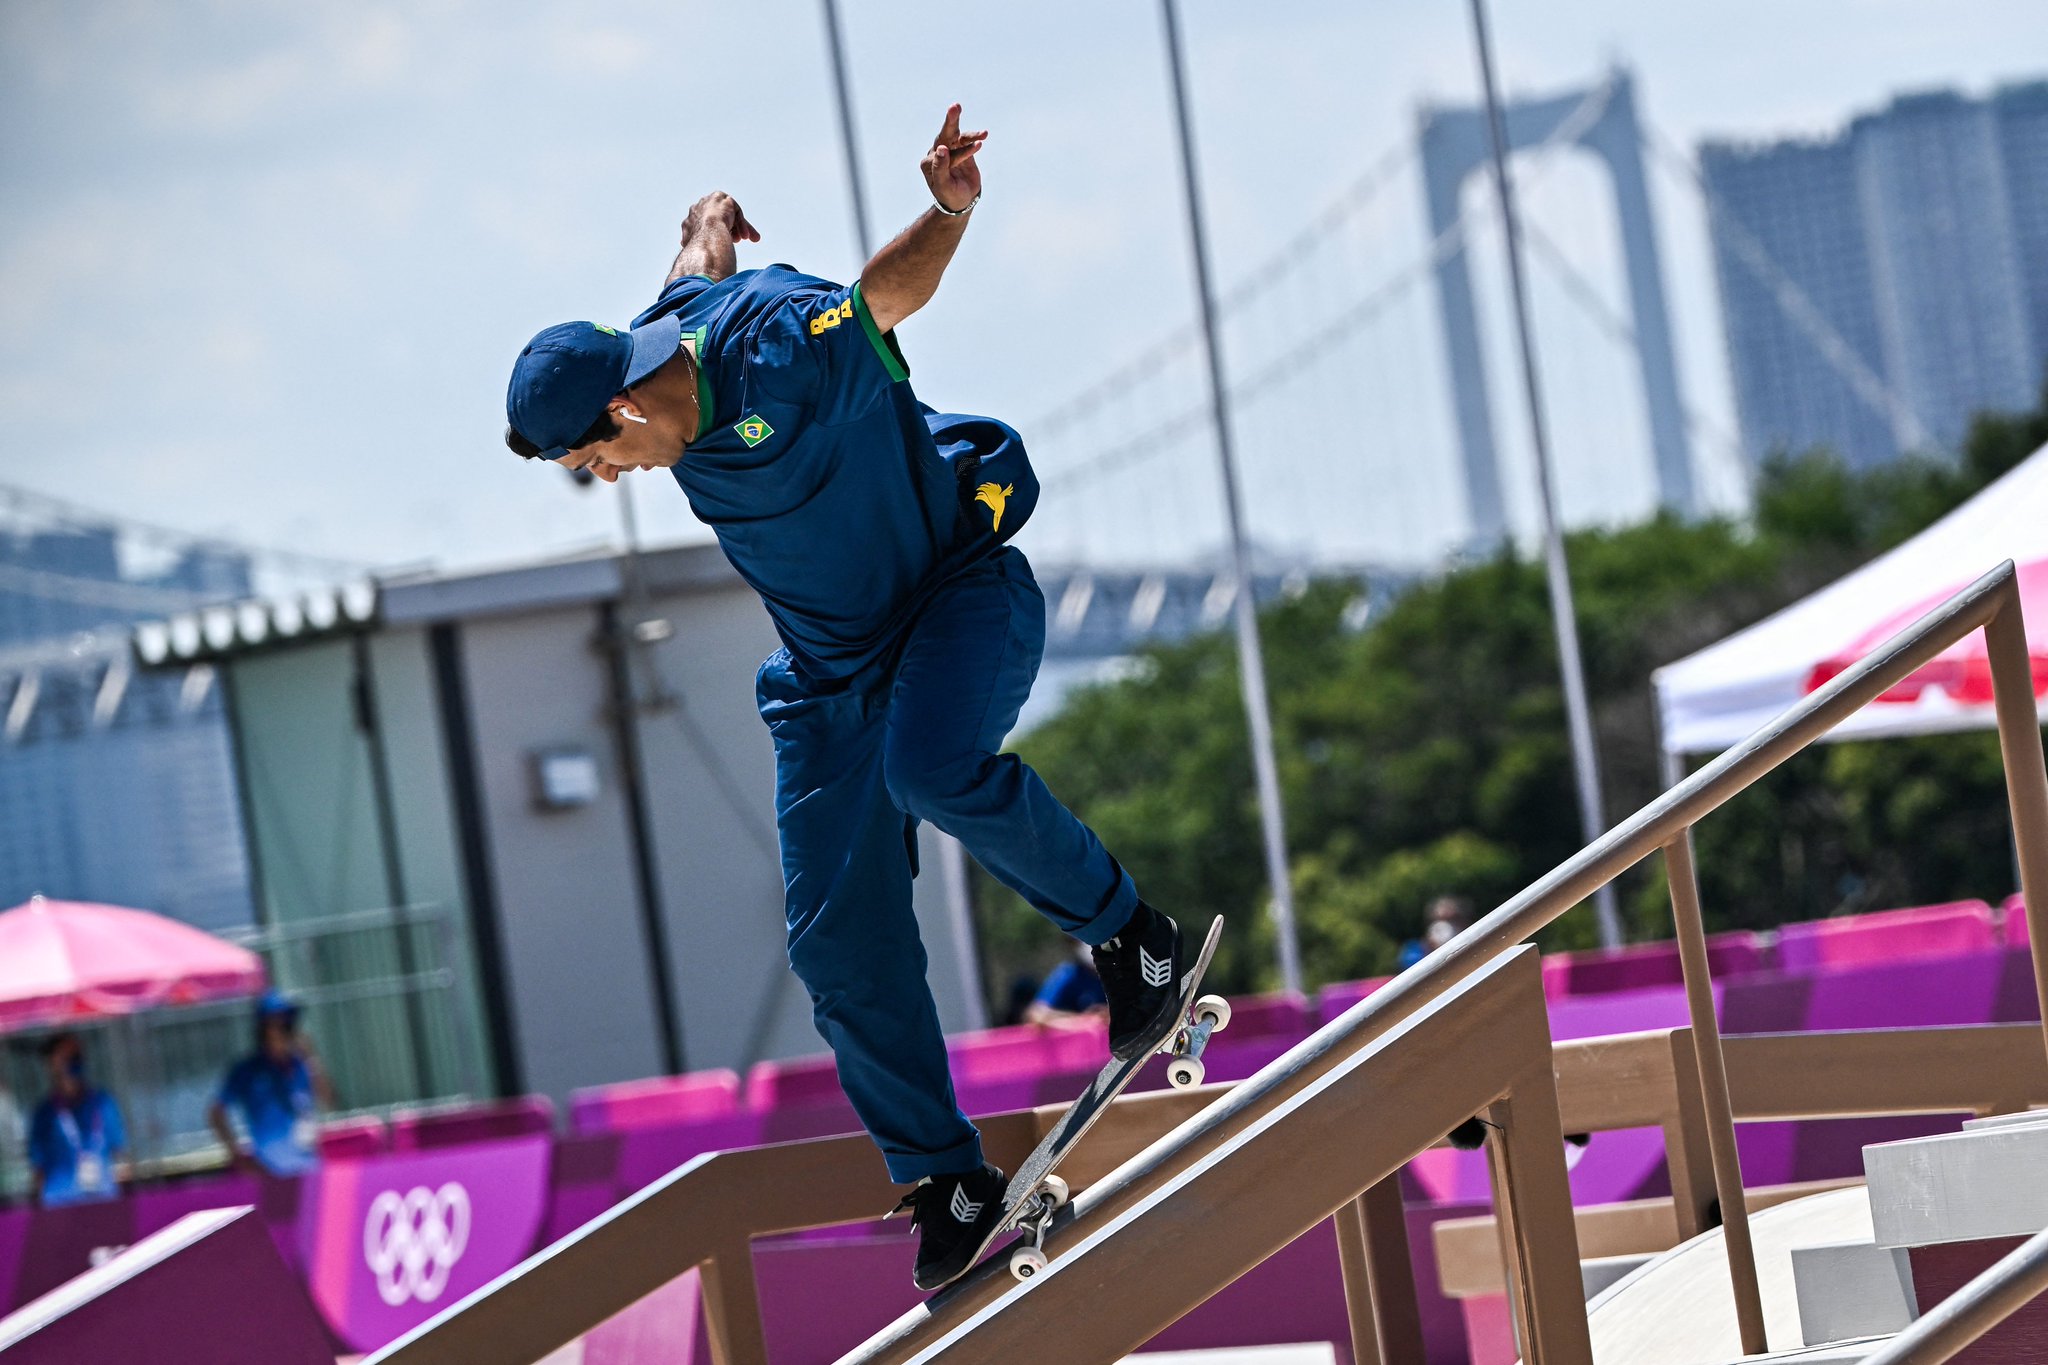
point(956, 213)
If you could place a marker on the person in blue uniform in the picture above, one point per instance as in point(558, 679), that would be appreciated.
point(277, 1092)
point(875, 530)
point(1072, 990)
point(75, 1134)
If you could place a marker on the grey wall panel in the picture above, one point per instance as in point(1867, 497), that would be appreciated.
point(710, 779)
point(568, 905)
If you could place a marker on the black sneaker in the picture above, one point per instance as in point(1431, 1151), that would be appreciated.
point(956, 1216)
point(1140, 971)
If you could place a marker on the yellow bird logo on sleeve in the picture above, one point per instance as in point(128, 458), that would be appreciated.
point(995, 495)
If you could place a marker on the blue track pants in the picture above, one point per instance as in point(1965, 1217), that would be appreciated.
point(858, 762)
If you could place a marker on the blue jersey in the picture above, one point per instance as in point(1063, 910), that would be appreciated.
point(73, 1146)
point(276, 1105)
point(842, 500)
point(1072, 988)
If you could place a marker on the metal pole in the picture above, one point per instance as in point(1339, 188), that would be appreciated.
point(1250, 661)
point(1578, 715)
point(847, 138)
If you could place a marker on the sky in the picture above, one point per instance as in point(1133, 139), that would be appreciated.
point(264, 266)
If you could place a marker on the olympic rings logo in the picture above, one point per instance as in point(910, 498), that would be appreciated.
point(411, 1242)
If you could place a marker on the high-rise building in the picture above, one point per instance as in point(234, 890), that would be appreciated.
point(1881, 287)
point(114, 785)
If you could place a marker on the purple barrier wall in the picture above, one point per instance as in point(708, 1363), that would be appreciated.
point(399, 1237)
point(209, 1290)
point(1888, 936)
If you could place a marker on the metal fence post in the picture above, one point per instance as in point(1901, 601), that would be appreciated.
point(1713, 1072)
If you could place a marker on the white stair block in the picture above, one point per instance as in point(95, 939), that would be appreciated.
point(1959, 1187)
point(1601, 1271)
point(1848, 1290)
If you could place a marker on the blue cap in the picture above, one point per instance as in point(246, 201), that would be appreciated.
point(276, 1005)
point(565, 376)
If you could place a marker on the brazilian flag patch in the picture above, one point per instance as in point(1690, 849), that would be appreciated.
point(753, 431)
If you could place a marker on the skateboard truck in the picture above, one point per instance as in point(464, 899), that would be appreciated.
point(1027, 1258)
point(1191, 1040)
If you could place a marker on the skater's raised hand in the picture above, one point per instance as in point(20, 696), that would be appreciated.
point(949, 167)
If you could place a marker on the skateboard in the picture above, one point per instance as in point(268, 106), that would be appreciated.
point(1035, 1194)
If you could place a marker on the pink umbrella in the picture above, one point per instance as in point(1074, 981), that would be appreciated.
point(73, 960)
point(1963, 670)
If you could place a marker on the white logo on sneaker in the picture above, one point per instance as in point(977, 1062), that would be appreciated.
point(1155, 971)
point(964, 1210)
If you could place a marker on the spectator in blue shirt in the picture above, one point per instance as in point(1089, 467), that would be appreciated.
point(75, 1134)
point(277, 1092)
point(1072, 990)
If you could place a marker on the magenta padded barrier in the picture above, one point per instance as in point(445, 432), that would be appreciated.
point(1005, 1054)
point(1958, 989)
point(364, 1135)
point(1640, 965)
point(1265, 1016)
point(420, 1130)
point(1334, 999)
point(2017, 927)
point(799, 1081)
point(208, 1290)
point(659, 1099)
point(1887, 936)
point(397, 1238)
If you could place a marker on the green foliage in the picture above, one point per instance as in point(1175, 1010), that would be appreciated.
point(1426, 753)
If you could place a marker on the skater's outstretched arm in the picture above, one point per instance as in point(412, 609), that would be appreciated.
point(709, 230)
point(904, 275)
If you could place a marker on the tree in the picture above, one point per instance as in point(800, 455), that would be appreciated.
point(1425, 752)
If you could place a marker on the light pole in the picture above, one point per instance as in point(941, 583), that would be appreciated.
point(1578, 714)
point(1251, 662)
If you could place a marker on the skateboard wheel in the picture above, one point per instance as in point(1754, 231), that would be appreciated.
point(1214, 1008)
point(1055, 1191)
point(1027, 1262)
point(1185, 1072)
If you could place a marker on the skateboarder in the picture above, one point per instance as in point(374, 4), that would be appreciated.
point(875, 531)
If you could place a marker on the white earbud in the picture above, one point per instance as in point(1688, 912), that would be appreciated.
point(632, 416)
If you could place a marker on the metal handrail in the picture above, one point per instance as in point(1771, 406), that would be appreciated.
point(632, 1240)
point(2015, 1280)
point(1992, 602)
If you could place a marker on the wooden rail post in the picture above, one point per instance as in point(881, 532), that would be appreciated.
point(1379, 1276)
point(732, 1306)
point(1534, 1197)
point(1713, 1072)
point(1688, 1150)
point(2026, 779)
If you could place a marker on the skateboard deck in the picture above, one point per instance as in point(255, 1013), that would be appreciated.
point(1185, 1034)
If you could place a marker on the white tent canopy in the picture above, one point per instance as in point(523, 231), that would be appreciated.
point(1712, 699)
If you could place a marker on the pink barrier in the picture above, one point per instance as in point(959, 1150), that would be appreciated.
point(1026, 1049)
point(419, 1130)
point(1889, 935)
point(659, 1099)
point(1959, 989)
point(364, 1135)
point(1639, 965)
point(803, 1081)
point(1334, 999)
point(2016, 925)
point(398, 1238)
point(1259, 1016)
point(209, 1290)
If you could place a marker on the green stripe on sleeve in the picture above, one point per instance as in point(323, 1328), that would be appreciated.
point(883, 342)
